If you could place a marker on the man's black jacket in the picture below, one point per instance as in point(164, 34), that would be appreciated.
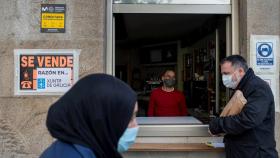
point(250, 134)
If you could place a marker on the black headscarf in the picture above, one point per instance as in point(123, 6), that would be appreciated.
point(94, 113)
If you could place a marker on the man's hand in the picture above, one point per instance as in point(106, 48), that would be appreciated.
point(211, 133)
point(217, 135)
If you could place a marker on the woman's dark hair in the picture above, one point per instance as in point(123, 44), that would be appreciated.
point(237, 61)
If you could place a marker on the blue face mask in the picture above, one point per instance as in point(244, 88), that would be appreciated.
point(127, 139)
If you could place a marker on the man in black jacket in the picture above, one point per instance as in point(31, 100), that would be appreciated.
point(249, 134)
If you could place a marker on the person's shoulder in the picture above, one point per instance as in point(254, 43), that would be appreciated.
point(259, 83)
point(178, 92)
point(60, 149)
point(84, 151)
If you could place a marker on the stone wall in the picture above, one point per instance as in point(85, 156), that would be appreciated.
point(22, 119)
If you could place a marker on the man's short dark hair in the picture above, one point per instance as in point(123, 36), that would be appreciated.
point(236, 61)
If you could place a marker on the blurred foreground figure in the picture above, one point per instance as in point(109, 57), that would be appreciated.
point(96, 118)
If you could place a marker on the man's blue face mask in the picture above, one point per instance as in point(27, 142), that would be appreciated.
point(127, 139)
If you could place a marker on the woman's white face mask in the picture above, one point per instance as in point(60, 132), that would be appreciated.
point(229, 82)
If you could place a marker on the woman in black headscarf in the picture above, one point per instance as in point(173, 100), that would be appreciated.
point(95, 118)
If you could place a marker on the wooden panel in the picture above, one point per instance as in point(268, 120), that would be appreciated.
point(190, 147)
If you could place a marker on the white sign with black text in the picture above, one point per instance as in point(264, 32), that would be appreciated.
point(264, 52)
point(264, 60)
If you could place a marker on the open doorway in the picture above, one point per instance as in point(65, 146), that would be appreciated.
point(147, 44)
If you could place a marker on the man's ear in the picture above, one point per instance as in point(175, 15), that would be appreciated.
point(241, 71)
point(162, 78)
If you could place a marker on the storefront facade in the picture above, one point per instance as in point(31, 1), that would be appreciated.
point(91, 28)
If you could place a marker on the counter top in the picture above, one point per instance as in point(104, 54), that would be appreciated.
point(191, 147)
point(187, 120)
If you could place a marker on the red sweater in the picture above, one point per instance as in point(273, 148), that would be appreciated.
point(164, 103)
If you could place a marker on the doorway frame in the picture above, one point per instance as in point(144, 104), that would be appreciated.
point(232, 46)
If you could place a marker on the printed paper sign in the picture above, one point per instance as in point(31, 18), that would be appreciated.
point(264, 50)
point(45, 71)
point(53, 18)
point(54, 80)
point(263, 56)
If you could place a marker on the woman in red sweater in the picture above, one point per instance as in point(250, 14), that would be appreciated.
point(165, 100)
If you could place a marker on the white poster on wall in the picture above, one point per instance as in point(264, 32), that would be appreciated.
point(264, 53)
point(264, 59)
point(45, 71)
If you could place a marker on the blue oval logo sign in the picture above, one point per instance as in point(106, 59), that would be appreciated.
point(264, 50)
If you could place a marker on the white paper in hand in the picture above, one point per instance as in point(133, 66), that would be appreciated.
point(215, 144)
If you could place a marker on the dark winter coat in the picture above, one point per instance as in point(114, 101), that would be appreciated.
point(61, 149)
point(250, 134)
